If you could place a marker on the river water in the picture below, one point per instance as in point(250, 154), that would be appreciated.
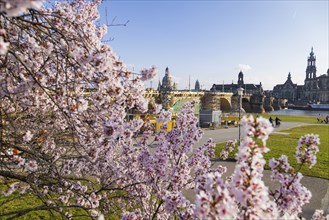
point(300, 112)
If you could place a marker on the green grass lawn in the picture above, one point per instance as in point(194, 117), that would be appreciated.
point(292, 118)
point(16, 202)
point(280, 144)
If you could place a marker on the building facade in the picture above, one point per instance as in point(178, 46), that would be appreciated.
point(248, 88)
point(288, 90)
point(314, 90)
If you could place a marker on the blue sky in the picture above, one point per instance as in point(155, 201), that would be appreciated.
point(212, 40)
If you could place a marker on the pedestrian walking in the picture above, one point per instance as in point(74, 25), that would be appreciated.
point(277, 121)
point(271, 121)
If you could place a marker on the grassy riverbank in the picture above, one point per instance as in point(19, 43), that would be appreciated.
point(285, 142)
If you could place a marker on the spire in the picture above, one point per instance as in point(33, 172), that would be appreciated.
point(189, 82)
point(311, 67)
point(174, 86)
point(167, 71)
point(289, 76)
point(240, 78)
point(197, 86)
point(159, 86)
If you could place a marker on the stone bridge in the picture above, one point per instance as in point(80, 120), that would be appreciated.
point(208, 100)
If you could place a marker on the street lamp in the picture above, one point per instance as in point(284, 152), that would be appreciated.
point(240, 93)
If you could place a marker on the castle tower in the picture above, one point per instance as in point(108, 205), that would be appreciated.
point(311, 68)
point(240, 79)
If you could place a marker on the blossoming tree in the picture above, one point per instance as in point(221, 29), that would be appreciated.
point(65, 137)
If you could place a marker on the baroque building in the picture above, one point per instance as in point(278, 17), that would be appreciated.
point(167, 82)
point(315, 88)
point(248, 88)
point(288, 90)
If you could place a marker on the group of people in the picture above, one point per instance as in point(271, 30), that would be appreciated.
point(277, 121)
point(323, 120)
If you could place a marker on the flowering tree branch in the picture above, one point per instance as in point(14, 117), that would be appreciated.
point(66, 140)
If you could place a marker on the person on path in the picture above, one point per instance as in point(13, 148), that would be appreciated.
point(271, 120)
point(277, 121)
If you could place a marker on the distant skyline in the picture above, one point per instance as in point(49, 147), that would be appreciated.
point(211, 41)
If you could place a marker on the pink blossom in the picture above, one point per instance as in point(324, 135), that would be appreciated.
point(307, 149)
point(147, 74)
point(3, 46)
point(213, 199)
point(131, 216)
point(319, 215)
point(28, 136)
point(164, 116)
point(228, 148)
point(31, 165)
point(291, 195)
point(17, 7)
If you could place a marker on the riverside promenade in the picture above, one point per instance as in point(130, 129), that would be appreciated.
point(319, 187)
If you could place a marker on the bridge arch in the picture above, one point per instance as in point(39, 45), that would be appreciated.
point(225, 105)
point(227, 102)
point(246, 104)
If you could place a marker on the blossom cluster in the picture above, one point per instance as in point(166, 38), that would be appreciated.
point(3, 45)
point(259, 128)
point(14, 8)
point(17, 7)
point(228, 148)
point(213, 199)
point(72, 94)
point(247, 185)
point(307, 149)
point(147, 74)
point(291, 195)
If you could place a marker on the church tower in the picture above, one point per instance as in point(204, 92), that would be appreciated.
point(197, 86)
point(311, 82)
point(311, 68)
point(240, 79)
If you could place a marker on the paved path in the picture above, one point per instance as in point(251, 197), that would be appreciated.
point(224, 134)
point(319, 187)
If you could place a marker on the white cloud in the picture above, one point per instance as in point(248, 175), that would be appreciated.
point(244, 67)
